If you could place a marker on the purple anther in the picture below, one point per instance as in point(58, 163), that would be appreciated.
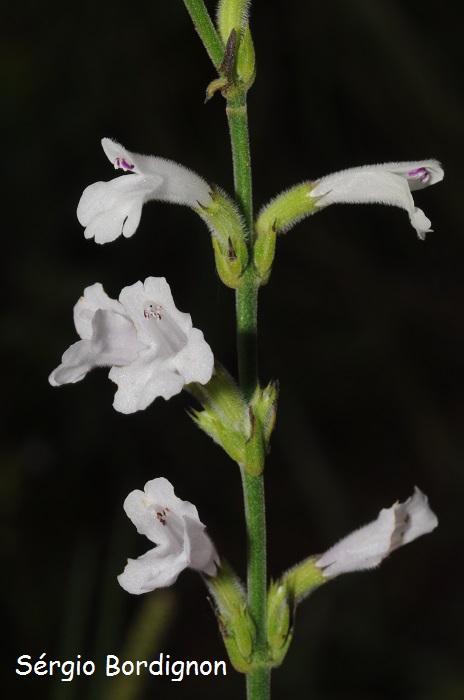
point(422, 173)
point(122, 163)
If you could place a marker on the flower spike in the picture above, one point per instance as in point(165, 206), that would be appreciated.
point(367, 547)
point(109, 209)
point(174, 526)
point(150, 345)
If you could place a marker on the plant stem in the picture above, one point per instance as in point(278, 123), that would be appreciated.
point(238, 126)
point(258, 679)
point(247, 294)
point(206, 30)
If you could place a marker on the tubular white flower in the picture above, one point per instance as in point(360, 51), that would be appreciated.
point(387, 183)
point(174, 526)
point(109, 209)
point(367, 547)
point(150, 345)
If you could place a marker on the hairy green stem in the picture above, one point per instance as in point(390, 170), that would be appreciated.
point(238, 127)
point(206, 30)
point(246, 308)
point(258, 679)
point(247, 294)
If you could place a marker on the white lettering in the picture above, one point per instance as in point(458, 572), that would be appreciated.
point(20, 662)
point(112, 661)
point(222, 664)
point(141, 664)
point(127, 668)
point(190, 664)
point(208, 666)
point(40, 665)
point(180, 674)
point(158, 663)
point(92, 667)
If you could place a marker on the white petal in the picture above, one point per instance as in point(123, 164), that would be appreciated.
point(200, 550)
point(179, 185)
point(157, 517)
point(388, 183)
point(195, 362)
point(113, 342)
point(414, 518)
point(155, 291)
point(161, 490)
point(367, 547)
point(419, 173)
point(109, 209)
point(114, 339)
point(151, 571)
point(75, 363)
point(146, 379)
point(94, 298)
point(178, 354)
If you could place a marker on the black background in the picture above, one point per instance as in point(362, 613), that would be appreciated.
point(362, 324)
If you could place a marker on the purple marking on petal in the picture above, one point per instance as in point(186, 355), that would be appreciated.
point(422, 173)
point(122, 163)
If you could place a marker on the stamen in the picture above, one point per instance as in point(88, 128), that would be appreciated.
point(422, 173)
point(153, 311)
point(168, 332)
point(122, 163)
point(159, 517)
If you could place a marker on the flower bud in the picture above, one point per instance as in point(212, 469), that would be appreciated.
point(265, 408)
point(232, 14)
point(245, 62)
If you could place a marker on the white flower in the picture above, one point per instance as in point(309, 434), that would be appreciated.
point(175, 527)
point(367, 547)
point(109, 209)
point(151, 347)
point(388, 183)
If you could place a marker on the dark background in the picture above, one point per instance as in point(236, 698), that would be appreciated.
point(362, 324)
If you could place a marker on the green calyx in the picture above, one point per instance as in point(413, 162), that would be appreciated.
point(283, 597)
point(228, 237)
point(286, 209)
point(223, 412)
point(236, 625)
point(303, 579)
point(279, 216)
